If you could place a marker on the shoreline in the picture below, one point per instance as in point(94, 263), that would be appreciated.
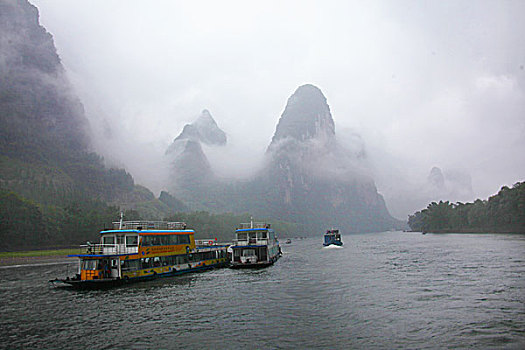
point(34, 260)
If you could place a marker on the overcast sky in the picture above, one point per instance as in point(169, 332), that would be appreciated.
point(425, 83)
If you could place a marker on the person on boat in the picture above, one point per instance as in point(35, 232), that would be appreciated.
point(105, 269)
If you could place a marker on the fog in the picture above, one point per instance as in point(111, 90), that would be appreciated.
point(421, 83)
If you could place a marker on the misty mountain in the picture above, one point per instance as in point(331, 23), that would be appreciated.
point(452, 185)
point(439, 185)
point(46, 163)
point(309, 177)
point(319, 180)
point(190, 173)
point(204, 129)
point(436, 179)
point(38, 111)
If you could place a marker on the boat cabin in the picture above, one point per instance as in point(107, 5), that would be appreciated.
point(254, 244)
point(134, 246)
point(140, 250)
point(332, 237)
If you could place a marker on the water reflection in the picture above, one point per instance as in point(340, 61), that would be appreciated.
point(385, 290)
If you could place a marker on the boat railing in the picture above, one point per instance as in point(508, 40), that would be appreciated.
point(149, 225)
point(108, 249)
point(206, 242)
point(250, 241)
point(248, 225)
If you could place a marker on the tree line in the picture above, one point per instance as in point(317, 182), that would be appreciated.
point(25, 224)
point(503, 212)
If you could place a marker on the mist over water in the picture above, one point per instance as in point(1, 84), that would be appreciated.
point(386, 290)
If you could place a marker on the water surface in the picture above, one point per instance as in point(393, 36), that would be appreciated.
point(387, 290)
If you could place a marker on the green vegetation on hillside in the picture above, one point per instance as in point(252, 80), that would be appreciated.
point(503, 212)
point(54, 190)
point(26, 225)
point(39, 253)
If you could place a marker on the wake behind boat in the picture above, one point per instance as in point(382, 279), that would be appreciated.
point(255, 245)
point(332, 238)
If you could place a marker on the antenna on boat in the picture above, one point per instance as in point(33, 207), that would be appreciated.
point(121, 220)
point(251, 221)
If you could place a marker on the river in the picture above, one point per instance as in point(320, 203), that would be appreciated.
point(380, 291)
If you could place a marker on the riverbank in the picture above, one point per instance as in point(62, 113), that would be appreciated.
point(474, 231)
point(36, 257)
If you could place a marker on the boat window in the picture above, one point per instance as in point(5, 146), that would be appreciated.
point(242, 236)
point(89, 264)
point(130, 265)
point(181, 259)
point(147, 241)
point(166, 260)
point(174, 239)
point(263, 235)
point(151, 240)
point(248, 252)
point(132, 241)
point(120, 239)
point(195, 257)
point(184, 239)
point(108, 240)
point(146, 262)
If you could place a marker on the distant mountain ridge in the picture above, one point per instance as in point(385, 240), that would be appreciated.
point(51, 180)
point(309, 178)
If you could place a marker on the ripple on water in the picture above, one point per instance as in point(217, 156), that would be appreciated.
point(382, 290)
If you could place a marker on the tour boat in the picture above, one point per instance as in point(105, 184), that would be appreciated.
point(142, 250)
point(332, 237)
point(255, 245)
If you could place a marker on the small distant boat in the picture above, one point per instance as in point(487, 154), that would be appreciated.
point(332, 237)
point(255, 245)
point(288, 241)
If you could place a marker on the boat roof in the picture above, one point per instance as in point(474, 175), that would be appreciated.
point(332, 231)
point(253, 226)
point(97, 255)
point(149, 232)
point(253, 229)
point(148, 225)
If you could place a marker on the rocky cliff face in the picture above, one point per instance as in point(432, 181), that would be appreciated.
point(309, 178)
point(45, 150)
point(306, 116)
point(35, 97)
point(318, 180)
point(204, 130)
point(191, 175)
